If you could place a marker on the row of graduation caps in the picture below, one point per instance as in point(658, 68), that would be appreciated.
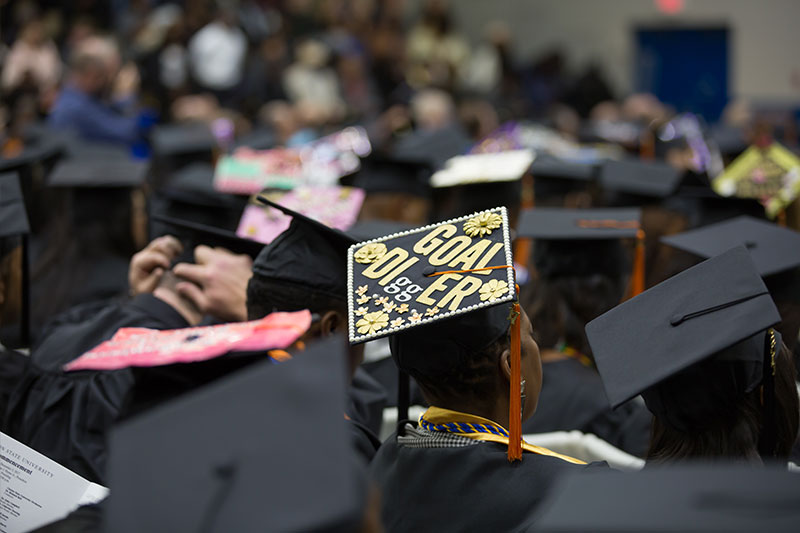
point(68, 163)
point(773, 250)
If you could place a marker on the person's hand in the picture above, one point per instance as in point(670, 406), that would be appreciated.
point(217, 283)
point(126, 83)
point(148, 265)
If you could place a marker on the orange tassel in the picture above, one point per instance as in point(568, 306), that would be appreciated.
point(782, 218)
point(637, 276)
point(515, 400)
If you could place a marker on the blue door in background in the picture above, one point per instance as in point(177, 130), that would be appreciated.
point(686, 68)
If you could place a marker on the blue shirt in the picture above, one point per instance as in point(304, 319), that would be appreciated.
point(93, 119)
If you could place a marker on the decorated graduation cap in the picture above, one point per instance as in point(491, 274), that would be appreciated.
point(640, 178)
point(580, 242)
point(698, 497)
point(774, 249)
point(442, 293)
point(308, 254)
point(717, 311)
point(193, 234)
point(770, 174)
point(484, 168)
point(293, 470)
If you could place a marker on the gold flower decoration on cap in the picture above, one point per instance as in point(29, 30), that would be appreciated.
point(482, 224)
point(493, 289)
point(372, 322)
point(369, 253)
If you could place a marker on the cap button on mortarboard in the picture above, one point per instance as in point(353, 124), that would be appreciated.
point(676, 320)
point(428, 271)
point(750, 244)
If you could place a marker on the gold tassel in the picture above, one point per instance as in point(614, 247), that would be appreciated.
point(637, 276)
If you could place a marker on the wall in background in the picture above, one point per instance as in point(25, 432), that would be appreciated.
point(764, 36)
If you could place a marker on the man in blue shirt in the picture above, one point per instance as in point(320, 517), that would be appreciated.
point(98, 98)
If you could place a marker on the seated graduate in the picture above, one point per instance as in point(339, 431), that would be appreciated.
point(13, 225)
point(46, 404)
point(445, 295)
point(305, 267)
point(701, 349)
point(172, 470)
point(581, 272)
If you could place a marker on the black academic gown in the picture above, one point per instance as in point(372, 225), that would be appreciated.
point(65, 415)
point(471, 488)
point(572, 398)
point(13, 366)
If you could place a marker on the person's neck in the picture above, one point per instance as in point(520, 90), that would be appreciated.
point(496, 413)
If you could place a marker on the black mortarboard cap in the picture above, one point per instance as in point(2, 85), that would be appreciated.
point(189, 194)
point(365, 230)
point(774, 249)
point(684, 320)
point(308, 253)
point(730, 140)
point(13, 217)
point(99, 173)
point(550, 166)
point(434, 147)
point(579, 242)
point(39, 144)
point(640, 178)
point(201, 463)
point(679, 498)
point(394, 289)
point(182, 139)
point(384, 174)
point(552, 223)
point(193, 234)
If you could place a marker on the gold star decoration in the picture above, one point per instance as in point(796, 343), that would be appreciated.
point(402, 308)
point(361, 311)
point(482, 224)
point(363, 299)
point(493, 289)
point(372, 322)
point(369, 253)
point(361, 290)
point(397, 322)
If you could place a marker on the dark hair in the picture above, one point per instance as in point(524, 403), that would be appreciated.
point(732, 432)
point(267, 295)
point(470, 379)
point(560, 308)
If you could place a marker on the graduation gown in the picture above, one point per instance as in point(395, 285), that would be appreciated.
point(467, 488)
point(12, 367)
point(65, 416)
point(572, 398)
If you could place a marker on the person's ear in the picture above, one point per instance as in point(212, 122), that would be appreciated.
point(505, 363)
point(330, 323)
